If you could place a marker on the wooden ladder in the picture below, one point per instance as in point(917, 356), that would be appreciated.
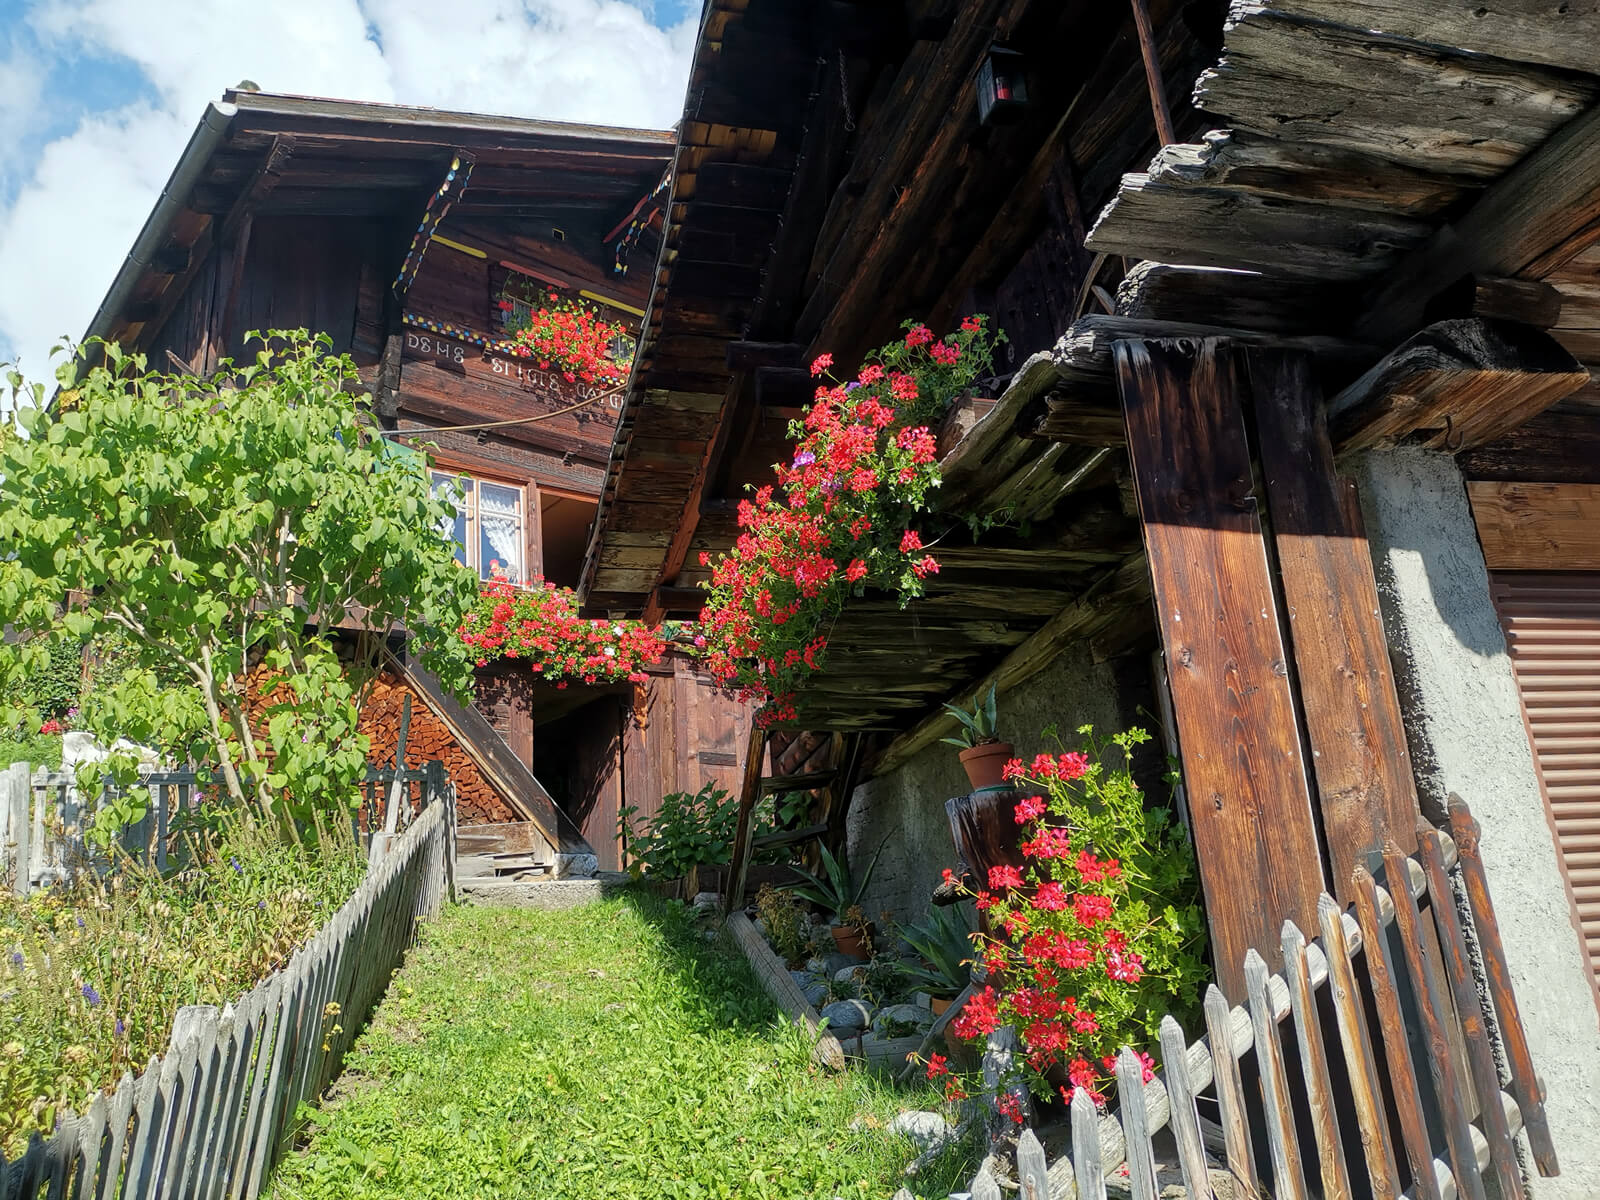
point(828, 765)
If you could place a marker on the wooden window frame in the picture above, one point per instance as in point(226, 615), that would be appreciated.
point(532, 535)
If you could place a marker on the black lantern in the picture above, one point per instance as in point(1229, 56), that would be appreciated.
point(1002, 87)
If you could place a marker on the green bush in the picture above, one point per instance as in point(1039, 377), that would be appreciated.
point(91, 977)
point(36, 749)
point(686, 832)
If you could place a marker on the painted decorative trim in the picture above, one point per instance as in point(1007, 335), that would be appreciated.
point(447, 193)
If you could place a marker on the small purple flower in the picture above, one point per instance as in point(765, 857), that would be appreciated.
point(852, 385)
point(16, 958)
point(261, 903)
point(80, 922)
point(121, 1028)
point(92, 996)
point(804, 459)
point(237, 869)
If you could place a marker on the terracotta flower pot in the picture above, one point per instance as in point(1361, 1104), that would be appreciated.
point(850, 941)
point(938, 1004)
point(985, 765)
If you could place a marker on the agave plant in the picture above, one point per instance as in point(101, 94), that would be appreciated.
point(944, 942)
point(835, 890)
point(977, 725)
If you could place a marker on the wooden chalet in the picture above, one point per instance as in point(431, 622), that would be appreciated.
point(407, 236)
point(1297, 441)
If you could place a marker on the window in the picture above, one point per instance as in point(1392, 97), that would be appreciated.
point(490, 527)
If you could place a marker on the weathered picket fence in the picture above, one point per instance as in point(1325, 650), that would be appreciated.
point(44, 817)
point(210, 1117)
point(1425, 1075)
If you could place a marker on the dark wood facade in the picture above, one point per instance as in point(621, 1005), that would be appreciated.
point(1385, 216)
point(397, 232)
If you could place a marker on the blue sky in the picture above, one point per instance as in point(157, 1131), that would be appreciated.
point(97, 98)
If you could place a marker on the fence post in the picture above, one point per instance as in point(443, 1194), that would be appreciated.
point(16, 793)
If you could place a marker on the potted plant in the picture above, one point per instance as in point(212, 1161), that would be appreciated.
point(983, 754)
point(837, 893)
point(944, 943)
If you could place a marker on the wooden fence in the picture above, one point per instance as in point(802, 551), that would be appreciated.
point(210, 1117)
point(1401, 955)
point(44, 817)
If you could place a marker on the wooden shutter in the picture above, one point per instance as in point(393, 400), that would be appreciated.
point(1552, 624)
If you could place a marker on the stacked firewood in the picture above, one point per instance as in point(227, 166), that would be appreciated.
point(427, 739)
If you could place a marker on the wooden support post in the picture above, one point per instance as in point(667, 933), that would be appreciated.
point(749, 793)
point(1152, 73)
point(1248, 791)
point(1347, 693)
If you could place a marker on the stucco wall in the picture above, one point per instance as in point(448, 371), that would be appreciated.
point(904, 810)
point(1464, 720)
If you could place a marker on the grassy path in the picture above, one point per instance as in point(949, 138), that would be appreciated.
point(604, 1051)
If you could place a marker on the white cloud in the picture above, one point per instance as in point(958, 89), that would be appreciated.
point(83, 199)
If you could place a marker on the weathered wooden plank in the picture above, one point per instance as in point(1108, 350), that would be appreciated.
point(1288, 1177)
point(1533, 31)
point(120, 1112)
point(1241, 161)
point(1230, 1093)
point(1525, 1087)
point(1227, 227)
point(1456, 384)
point(1086, 352)
point(1136, 1126)
point(1088, 1170)
point(1361, 1066)
point(782, 989)
point(1220, 296)
point(1181, 1109)
point(1537, 526)
point(1502, 1155)
point(1408, 1102)
point(1385, 97)
point(1033, 1171)
point(1365, 788)
point(1428, 990)
point(1549, 200)
point(1247, 785)
point(1314, 1066)
point(90, 1148)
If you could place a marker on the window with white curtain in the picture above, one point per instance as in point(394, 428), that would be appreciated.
point(490, 525)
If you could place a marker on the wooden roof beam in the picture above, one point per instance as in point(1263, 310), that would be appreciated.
point(1455, 385)
point(1528, 223)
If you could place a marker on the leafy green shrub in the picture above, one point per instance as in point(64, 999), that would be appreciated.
point(223, 526)
point(91, 977)
point(686, 832)
point(54, 683)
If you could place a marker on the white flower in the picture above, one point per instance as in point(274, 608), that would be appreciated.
point(611, 651)
point(618, 630)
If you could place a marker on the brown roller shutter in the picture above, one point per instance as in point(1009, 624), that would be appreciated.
point(1552, 624)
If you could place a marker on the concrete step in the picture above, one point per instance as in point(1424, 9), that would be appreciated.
point(541, 893)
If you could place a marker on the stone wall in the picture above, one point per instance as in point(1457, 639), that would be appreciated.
point(904, 810)
point(1464, 721)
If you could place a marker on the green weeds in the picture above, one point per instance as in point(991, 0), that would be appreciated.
point(90, 978)
point(607, 1050)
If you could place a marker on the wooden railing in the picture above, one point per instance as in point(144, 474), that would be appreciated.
point(211, 1116)
point(1401, 954)
point(45, 818)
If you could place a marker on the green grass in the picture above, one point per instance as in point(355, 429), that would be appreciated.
point(36, 749)
point(604, 1051)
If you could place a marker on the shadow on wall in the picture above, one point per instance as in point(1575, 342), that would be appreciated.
point(905, 808)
